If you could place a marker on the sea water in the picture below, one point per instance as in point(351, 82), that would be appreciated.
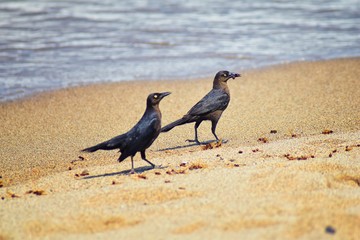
point(50, 44)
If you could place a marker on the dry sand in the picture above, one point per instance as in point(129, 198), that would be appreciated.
point(300, 184)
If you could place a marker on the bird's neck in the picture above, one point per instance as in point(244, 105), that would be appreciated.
point(221, 85)
point(153, 108)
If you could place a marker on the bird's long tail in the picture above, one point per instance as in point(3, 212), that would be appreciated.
point(107, 145)
point(170, 126)
point(95, 148)
point(114, 143)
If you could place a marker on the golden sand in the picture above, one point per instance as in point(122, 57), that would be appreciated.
point(291, 167)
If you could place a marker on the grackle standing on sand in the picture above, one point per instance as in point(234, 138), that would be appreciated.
point(210, 107)
point(140, 137)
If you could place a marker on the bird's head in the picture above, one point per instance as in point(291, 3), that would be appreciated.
point(154, 98)
point(223, 76)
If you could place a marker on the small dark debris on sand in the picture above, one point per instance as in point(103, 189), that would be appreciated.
point(12, 195)
point(348, 148)
point(83, 173)
point(327, 131)
point(330, 230)
point(302, 157)
point(36, 192)
point(212, 145)
point(195, 166)
point(173, 171)
point(263, 139)
point(142, 176)
point(80, 158)
point(183, 164)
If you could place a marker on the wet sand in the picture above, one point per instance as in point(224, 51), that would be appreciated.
point(290, 168)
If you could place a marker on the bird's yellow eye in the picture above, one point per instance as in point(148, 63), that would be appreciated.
point(156, 96)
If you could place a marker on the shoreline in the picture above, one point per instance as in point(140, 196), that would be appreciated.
point(293, 151)
point(139, 81)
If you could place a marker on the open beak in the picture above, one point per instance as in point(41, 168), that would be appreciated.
point(234, 75)
point(164, 94)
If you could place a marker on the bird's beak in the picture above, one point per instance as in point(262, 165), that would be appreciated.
point(234, 75)
point(164, 94)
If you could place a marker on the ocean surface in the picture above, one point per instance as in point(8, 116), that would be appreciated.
point(50, 44)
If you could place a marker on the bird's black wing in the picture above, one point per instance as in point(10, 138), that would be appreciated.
point(143, 134)
point(116, 142)
point(216, 99)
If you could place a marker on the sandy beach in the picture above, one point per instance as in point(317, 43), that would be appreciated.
point(289, 170)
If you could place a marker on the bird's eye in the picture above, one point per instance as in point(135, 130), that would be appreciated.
point(156, 96)
point(224, 74)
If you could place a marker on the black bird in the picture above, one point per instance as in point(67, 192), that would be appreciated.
point(210, 107)
point(140, 137)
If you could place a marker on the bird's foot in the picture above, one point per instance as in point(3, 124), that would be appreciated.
point(157, 166)
point(132, 171)
point(193, 141)
point(222, 140)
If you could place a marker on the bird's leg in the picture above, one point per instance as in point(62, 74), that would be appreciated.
point(132, 165)
point(121, 158)
point(197, 124)
point(213, 128)
point(143, 156)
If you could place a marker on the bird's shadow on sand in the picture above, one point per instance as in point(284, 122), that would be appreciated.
point(147, 168)
point(191, 145)
point(125, 172)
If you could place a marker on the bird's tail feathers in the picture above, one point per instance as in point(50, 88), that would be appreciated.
point(95, 148)
point(170, 126)
point(107, 145)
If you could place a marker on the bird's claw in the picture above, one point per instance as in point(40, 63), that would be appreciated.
point(193, 141)
point(157, 166)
